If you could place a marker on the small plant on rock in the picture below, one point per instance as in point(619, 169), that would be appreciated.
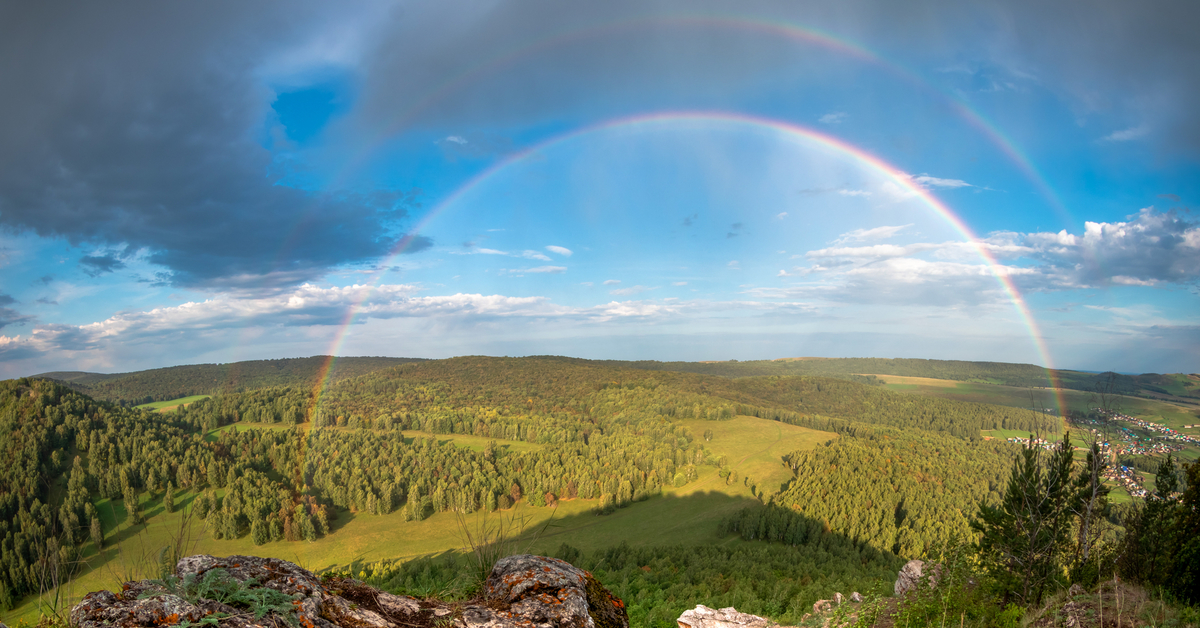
point(219, 586)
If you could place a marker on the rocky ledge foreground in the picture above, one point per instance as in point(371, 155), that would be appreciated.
point(522, 591)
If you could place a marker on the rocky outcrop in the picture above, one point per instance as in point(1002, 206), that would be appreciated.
point(705, 617)
point(909, 577)
point(251, 592)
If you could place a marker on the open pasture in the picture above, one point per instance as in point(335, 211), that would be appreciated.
point(755, 447)
point(164, 406)
point(1169, 414)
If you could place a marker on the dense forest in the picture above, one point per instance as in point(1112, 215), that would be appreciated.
point(905, 475)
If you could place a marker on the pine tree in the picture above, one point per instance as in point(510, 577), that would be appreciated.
point(169, 498)
point(259, 532)
point(131, 505)
point(1089, 505)
point(97, 534)
point(1020, 540)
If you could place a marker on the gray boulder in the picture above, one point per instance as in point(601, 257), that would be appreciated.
point(705, 617)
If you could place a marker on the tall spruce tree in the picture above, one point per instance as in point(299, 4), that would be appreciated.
point(1021, 539)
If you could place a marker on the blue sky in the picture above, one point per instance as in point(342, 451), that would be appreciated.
point(638, 180)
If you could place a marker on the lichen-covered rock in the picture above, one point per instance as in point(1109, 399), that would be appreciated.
point(705, 617)
point(553, 592)
point(909, 576)
point(252, 592)
point(822, 606)
point(856, 597)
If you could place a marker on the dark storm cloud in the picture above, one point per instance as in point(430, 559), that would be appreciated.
point(9, 316)
point(6, 299)
point(96, 265)
point(511, 62)
point(142, 124)
point(136, 125)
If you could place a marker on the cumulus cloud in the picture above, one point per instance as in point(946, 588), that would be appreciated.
point(1148, 248)
point(308, 306)
point(561, 250)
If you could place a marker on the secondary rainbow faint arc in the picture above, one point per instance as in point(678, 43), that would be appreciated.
point(785, 29)
point(785, 128)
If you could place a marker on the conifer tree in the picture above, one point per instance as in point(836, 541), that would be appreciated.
point(97, 534)
point(1021, 539)
point(169, 498)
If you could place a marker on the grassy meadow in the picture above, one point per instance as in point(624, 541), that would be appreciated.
point(166, 406)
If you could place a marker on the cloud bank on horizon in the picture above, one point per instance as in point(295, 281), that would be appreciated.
point(275, 179)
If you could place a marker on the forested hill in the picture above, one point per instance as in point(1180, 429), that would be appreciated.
point(1023, 375)
point(467, 390)
point(207, 379)
point(1003, 373)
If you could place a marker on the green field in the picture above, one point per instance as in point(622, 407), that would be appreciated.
point(686, 515)
point(755, 447)
point(163, 406)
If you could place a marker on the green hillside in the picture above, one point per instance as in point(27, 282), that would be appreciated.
point(164, 384)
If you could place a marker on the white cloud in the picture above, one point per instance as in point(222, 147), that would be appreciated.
point(527, 254)
point(679, 283)
point(489, 252)
point(538, 270)
point(456, 139)
point(561, 250)
point(875, 233)
point(875, 251)
point(734, 264)
point(587, 283)
point(835, 117)
point(611, 282)
point(781, 215)
point(925, 180)
point(1149, 248)
point(849, 192)
point(1126, 135)
point(630, 290)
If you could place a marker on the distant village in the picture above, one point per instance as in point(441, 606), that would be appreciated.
point(1124, 441)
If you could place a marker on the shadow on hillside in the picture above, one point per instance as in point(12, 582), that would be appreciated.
point(663, 520)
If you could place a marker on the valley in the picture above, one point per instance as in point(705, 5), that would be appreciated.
point(392, 467)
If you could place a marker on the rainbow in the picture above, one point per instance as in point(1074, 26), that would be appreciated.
point(786, 129)
point(776, 28)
